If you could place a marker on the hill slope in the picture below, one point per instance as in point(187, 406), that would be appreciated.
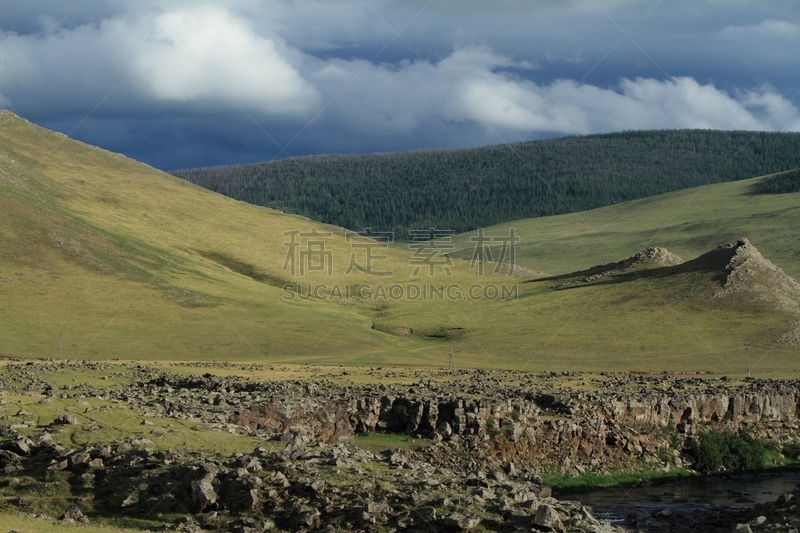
point(462, 190)
point(103, 257)
point(687, 222)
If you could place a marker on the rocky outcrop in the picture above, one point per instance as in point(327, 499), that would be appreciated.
point(748, 274)
point(307, 486)
point(324, 421)
point(576, 430)
point(646, 259)
point(529, 419)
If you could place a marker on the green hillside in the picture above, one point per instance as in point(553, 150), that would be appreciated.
point(462, 190)
point(688, 223)
point(102, 257)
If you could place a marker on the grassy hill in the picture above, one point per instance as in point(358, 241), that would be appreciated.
point(687, 222)
point(462, 190)
point(102, 257)
point(121, 260)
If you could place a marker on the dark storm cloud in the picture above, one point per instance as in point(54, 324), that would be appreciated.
point(184, 83)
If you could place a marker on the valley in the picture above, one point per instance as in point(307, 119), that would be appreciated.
point(173, 359)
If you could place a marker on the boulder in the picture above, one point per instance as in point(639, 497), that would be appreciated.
point(73, 515)
point(547, 519)
point(459, 522)
point(203, 494)
point(66, 420)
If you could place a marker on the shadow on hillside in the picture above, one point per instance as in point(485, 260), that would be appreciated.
point(714, 262)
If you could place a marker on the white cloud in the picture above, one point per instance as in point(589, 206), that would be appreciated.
point(286, 61)
point(475, 88)
point(65, 68)
point(213, 55)
point(211, 58)
point(767, 29)
point(381, 100)
point(566, 106)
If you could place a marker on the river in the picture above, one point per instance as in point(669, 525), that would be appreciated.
point(614, 504)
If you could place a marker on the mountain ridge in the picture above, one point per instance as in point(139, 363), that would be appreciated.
point(463, 189)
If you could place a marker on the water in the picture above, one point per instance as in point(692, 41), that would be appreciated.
point(615, 504)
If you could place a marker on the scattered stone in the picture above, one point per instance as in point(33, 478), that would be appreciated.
point(459, 522)
point(73, 515)
point(66, 419)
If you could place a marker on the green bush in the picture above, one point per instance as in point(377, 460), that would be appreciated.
point(731, 451)
point(792, 450)
point(491, 427)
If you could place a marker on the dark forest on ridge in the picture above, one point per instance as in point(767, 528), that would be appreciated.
point(464, 189)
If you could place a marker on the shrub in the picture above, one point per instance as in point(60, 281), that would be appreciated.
point(491, 427)
point(731, 451)
point(792, 450)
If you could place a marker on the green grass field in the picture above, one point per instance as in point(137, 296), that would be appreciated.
point(688, 223)
point(24, 524)
point(102, 257)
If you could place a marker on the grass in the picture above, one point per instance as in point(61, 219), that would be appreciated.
point(102, 257)
point(687, 222)
point(566, 483)
point(24, 524)
point(164, 271)
point(379, 442)
point(106, 421)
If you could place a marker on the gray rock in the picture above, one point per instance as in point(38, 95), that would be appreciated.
point(203, 493)
point(397, 459)
point(21, 446)
point(308, 517)
point(250, 500)
point(66, 420)
point(78, 459)
point(547, 518)
point(427, 515)
point(460, 522)
point(7, 457)
point(73, 515)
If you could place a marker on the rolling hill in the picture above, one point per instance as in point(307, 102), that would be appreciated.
point(102, 257)
point(687, 222)
point(462, 190)
point(117, 259)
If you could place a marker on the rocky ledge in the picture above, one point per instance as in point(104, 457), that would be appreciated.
point(489, 436)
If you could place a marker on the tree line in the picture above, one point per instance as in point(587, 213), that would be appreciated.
point(468, 188)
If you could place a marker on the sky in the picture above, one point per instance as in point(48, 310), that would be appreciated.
point(193, 83)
